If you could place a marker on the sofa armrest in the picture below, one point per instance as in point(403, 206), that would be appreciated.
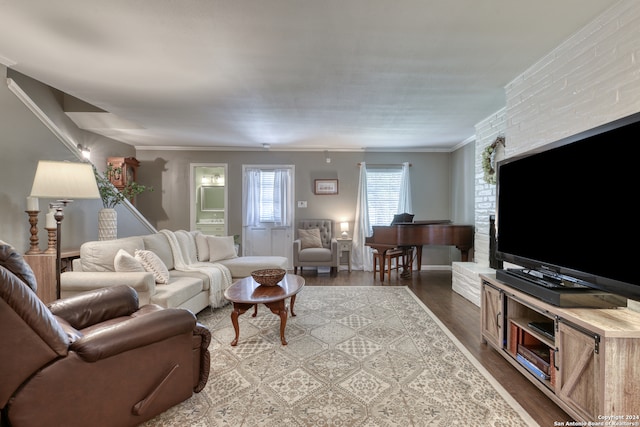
point(74, 282)
point(134, 333)
point(89, 308)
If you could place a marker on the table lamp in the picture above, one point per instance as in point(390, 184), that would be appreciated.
point(344, 227)
point(63, 181)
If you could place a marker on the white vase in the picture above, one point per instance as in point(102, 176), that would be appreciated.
point(107, 224)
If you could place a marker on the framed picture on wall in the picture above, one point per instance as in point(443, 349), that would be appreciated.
point(325, 186)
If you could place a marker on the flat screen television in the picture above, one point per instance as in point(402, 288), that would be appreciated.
point(570, 208)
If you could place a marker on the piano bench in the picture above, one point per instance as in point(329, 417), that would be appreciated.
point(392, 259)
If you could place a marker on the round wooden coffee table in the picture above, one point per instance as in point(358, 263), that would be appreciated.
point(246, 293)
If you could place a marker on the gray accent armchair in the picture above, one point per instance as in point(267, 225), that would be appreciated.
point(325, 256)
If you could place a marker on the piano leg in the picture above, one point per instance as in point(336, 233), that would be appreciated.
point(407, 262)
point(464, 253)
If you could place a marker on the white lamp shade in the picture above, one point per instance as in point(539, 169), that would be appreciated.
point(64, 181)
point(344, 227)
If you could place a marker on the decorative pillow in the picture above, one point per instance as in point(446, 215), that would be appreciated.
point(221, 248)
point(310, 238)
point(202, 247)
point(153, 264)
point(13, 261)
point(125, 262)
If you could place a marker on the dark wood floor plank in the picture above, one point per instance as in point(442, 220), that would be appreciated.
point(462, 318)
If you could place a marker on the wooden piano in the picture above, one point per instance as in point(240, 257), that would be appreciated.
point(420, 233)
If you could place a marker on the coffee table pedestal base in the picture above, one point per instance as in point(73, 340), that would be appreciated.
point(278, 308)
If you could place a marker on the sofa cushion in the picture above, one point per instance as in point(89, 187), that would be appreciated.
point(99, 255)
point(125, 262)
point(221, 248)
point(202, 247)
point(158, 244)
point(315, 255)
point(309, 238)
point(186, 243)
point(194, 274)
point(153, 264)
point(244, 265)
point(177, 292)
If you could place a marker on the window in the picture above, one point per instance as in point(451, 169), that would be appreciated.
point(383, 194)
point(267, 196)
point(266, 205)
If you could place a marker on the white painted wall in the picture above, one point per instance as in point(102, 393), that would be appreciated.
point(486, 133)
point(590, 79)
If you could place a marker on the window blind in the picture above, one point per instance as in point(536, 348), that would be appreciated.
point(383, 193)
point(267, 191)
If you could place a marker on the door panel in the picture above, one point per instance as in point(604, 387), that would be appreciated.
point(268, 238)
point(578, 379)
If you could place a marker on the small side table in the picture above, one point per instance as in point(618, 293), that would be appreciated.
point(44, 269)
point(344, 245)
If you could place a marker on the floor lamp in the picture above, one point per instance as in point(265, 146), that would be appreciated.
point(63, 181)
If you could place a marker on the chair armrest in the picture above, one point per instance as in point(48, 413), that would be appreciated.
point(134, 333)
point(334, 252)
point(297, 244)
point(89, 308)
point(205, 357)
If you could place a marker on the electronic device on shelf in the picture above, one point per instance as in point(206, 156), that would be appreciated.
point(548, 279)
point(557, 294)
point(567, 209)
point(544, 328)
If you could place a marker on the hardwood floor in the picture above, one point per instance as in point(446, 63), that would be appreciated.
point(462, 318)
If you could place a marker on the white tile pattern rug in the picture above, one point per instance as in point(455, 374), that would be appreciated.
point(357, 356)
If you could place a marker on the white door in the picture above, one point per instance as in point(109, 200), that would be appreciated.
point(268, 207)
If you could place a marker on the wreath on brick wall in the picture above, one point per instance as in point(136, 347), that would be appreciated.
point(489, 160)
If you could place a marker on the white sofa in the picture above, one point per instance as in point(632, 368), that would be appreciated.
point(194, 281)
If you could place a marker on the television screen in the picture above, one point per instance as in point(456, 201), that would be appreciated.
point(571, 207)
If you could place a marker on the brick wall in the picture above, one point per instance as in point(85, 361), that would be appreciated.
point(486, 132)
point(589, 80)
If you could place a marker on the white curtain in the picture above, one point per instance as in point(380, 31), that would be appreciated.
point(361, 256)
point(282, 197)
point(251, 195)
point(404, 202)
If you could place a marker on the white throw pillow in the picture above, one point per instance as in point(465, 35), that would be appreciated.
point(125, 262)
point(202, 247)
point(221, 248)
point(153, 264)
point(309, 238)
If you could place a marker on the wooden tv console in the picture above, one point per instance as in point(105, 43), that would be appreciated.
point(593, 366)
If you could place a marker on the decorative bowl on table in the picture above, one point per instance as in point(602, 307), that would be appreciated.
point(268, 276)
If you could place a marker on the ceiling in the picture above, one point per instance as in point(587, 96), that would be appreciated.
point(293, 74)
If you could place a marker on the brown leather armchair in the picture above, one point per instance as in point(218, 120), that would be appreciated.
point(96, 359)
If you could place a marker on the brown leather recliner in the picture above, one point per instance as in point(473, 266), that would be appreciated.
point(96, 359)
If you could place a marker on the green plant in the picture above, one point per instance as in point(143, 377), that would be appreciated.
point(110, 195)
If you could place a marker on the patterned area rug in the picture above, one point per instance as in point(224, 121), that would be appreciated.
point(357, 356)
